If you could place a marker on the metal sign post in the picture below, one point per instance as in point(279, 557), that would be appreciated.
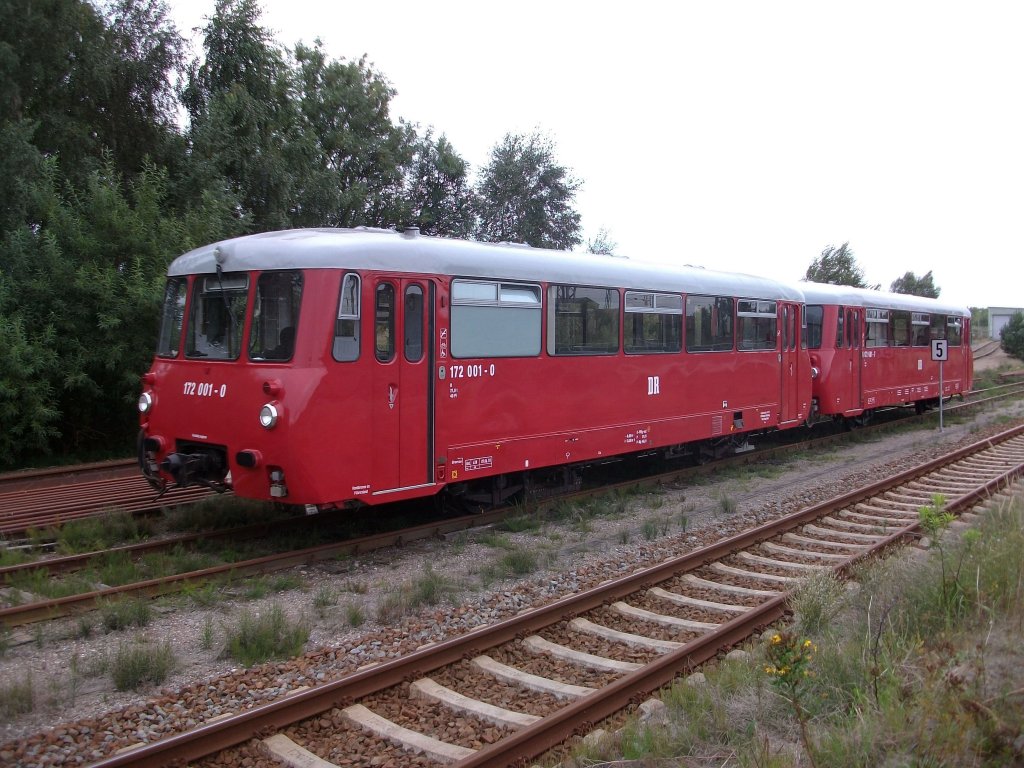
point(940, 353)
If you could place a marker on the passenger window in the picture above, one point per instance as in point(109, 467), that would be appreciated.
point(921, 329)
point(709, 324)
point(878, 328)
point(346, 327)
point(900, 322)
point(384, 324)
point(172, 317)
point(275, 316)
point(815, 319)
point(653, 323)
point(492, 319)
point(938, 326)
point(839, 328)
point(413, 323)
point(582, 320)
point(756, 324)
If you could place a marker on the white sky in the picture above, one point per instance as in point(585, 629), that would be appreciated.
point(743, 136)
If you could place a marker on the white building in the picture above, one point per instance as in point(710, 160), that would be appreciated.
point(999, 317)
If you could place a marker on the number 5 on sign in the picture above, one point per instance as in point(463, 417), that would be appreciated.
point(940, 350)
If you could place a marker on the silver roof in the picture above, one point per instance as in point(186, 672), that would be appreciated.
point(410, 252)
point(820, 293)
point(390, 251)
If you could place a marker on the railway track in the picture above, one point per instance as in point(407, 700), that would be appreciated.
point(520, 687)
point(30, 611)
point(47, 498)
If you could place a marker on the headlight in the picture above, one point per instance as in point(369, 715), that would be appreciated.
point(145, 402)
point(268, 416)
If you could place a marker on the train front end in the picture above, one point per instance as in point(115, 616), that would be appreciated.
point(232, 384)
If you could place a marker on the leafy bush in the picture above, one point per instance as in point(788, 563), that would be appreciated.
point(1011, 336)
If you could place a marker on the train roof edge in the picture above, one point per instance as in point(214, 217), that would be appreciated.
point(392, 251)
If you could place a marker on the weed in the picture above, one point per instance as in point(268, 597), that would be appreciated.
point(136, 663)
point(354, 615)
point(206, 636)
point(221, 512)
point(624, 536)
point(514, 563)
point(256, 588)
point(324, 598)
point(204, 594)
point(520, 523)
point(429, 589)
point(93, 533)
point(356, 587)
point(789, 662)
point(727, 504)
point(17, 697)
point(255, 638)
point(494, 540)
point(817, 601)
point(649, 530)
point(12, 556)
point(122, 613)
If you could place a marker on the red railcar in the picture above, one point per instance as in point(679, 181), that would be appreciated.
point(335, 367)
point(872, 350)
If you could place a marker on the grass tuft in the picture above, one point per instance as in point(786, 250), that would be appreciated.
point(136, 664)
point(256, 638)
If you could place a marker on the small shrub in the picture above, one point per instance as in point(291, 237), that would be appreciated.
point(17, 697)
point(817, 601)
point(256, 638)
point(206, 636)
point(354, 615)
point(624, 536)
point(324, 598)
point(136, 664)
point(123, 613)
point(727, 504)
point(649, 530)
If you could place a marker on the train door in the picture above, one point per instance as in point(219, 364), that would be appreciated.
point(402, 394)
point(790, 359)
point(854, 365)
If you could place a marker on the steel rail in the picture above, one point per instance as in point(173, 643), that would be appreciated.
point(20, 510)
point(44, 610)
point(533, 740)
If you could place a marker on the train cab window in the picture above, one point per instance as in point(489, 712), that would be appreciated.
point(878, 328)
point(756, 324)
point(653, 323)
point(920, 324)
point(413, 341)
point(494, 319)
point(583, 320)
point(709, 324)
point(217, 316)
point(275, 316)
point(384, 323)
point(814, 319)
point(172, 316)
point(346, 327)
point(955, 331)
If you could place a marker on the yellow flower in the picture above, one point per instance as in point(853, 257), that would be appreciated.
point(776, 639)
point(807, 643)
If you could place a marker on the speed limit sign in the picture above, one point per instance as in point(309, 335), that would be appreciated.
point(940, 350)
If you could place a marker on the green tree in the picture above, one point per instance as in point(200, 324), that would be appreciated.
point(353, 158)
point(79, 301)
point(837, 266)
point(90, 82)
point(916, 286)
point(242, 120)
point(1011, 336)
point(440, 197)
point(602, 244)
point(524, 195)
